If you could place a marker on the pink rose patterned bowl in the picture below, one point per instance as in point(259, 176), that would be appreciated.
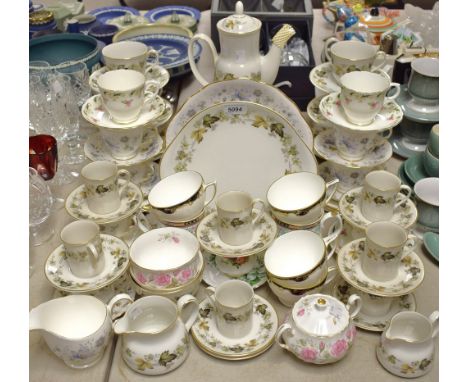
point(164, 258)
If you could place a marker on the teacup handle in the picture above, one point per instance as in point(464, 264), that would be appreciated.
point(327, 46)
point(354, 305)
point(385, 134)
point(380, 54)
point(126, 176)
point(261, 210)
point(331, 236)
point(182, 305)
point(112, 305)
point(210, 291)
point(406, 188)
point(329, 184)
point(93, 251)
point(286, 327)
point(205, 186)
point(141, 221)
point(411, 242)
point(395, 85)
point(153, 53)
point(434, 319)
point(333, 271)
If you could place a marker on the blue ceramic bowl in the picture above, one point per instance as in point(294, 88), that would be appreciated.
point(427, 202)
point(103, 32)
point(57, 49)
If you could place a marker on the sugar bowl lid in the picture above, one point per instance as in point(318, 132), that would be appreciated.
point(320, 315)
point(239, 22)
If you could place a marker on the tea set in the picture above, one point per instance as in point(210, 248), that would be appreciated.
point(239, 201)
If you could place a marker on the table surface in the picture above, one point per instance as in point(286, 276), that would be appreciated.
point(275, 364)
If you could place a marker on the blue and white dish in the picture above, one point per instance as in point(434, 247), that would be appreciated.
point(106, 13)
point(403, 146)
point(172, 49)
point(415, 111)
point(159, 12)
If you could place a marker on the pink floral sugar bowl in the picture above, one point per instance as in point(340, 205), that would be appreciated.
point(320, 329)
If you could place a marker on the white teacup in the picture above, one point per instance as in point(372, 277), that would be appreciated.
point(122, 144)
point(385, 242)
point(379, 194)
point(233, 304)
point(363, 94)
point(235, 218)
point(124, 92)
point(128, 55)
point(375, 306)
point(356, 144)
point(83, 248)
point(349, 56)
point(103, 193)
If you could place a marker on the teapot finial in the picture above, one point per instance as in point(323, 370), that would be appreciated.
point(239, 8)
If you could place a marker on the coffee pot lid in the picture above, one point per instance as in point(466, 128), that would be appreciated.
point(239, 22)
point(320, 315)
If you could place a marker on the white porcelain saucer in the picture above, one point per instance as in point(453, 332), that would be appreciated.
point(263, 235)
point(409, 277)
point(405, 215)
point(116, 261)
point(152, 145)
point(214, 277)
point(94, 112)
point(155, 72)
point(77, 206)
point(264, 324)
point(390, 115)
point(342, 290)
point(324, 145)
point(320, 123)
point(165, 116)
point(322, 78)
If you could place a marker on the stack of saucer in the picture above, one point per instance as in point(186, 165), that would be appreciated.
point(383, 270)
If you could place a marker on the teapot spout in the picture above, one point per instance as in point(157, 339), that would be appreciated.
point(121, 325)
point(270, 62)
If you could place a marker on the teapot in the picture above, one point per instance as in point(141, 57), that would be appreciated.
point(239, 36)
point(77, 328)
point(320, 328)
point(406, 346)
point(155, 333)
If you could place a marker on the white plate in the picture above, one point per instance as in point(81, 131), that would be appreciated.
point(390, 115)
point(240, 90)
point(242, 145)
point(322, 78)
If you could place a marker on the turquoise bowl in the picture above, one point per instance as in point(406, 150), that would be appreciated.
point(434, 140)
point(427, 202)
point(430, 163)
point(57, 49)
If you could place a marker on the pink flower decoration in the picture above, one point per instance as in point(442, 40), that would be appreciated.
point(322, 345)
point(162, 280)
point(373, 105)
point(301, 312)
point(351, 333)
point(309, 354)
point(127, 102)
point(175, 239)
point(339, 348)
point(141, 278)
point(184, 275)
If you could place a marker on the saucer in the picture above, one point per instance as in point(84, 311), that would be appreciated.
point(151, 145)
point(77, 207)
point(402, 175)
point(94, 112)
point(415, 111)
point(322, 78)
point(387, 118)
point(324, 145)
point(405, 215)
point(402, 146)
point(156, 73)
point(116, 261)
point(214, 277)
point(263, 235)
point(414, 168)
point(264, 324)
point(342, 290)
point(165, 116)
point(410, 272)
point(320, 123)
point(431, 243)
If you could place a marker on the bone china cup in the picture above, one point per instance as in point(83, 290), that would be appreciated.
point(298, 199)
point(233, 304)
point(122, 144)
point(235, 217)
point(385, 242)
point(128, 55)
point(164, 258)
point(423, 84)
point(124, 92)
point(349, 56)
point(103, 193)
point(180, 197)
point(427, 202)
point(363, 94)
point(356, 144)
point(379, 194)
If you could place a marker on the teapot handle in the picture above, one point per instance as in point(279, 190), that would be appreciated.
point(354, 305)
point(193, 64)
point(116, 308)
point(279, 335)
point(434, 318)
point(182, 304)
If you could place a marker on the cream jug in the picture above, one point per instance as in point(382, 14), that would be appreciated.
point(406, 347)
point(239, 37)
point(77, 328)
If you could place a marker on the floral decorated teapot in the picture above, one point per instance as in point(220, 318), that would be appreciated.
point(319, 329)
point(239, 36)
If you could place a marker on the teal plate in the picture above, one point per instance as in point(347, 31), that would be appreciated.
point(404, 100)
point(431, 243)
point(414, 168)
point(403, 177)
point(399, 147)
